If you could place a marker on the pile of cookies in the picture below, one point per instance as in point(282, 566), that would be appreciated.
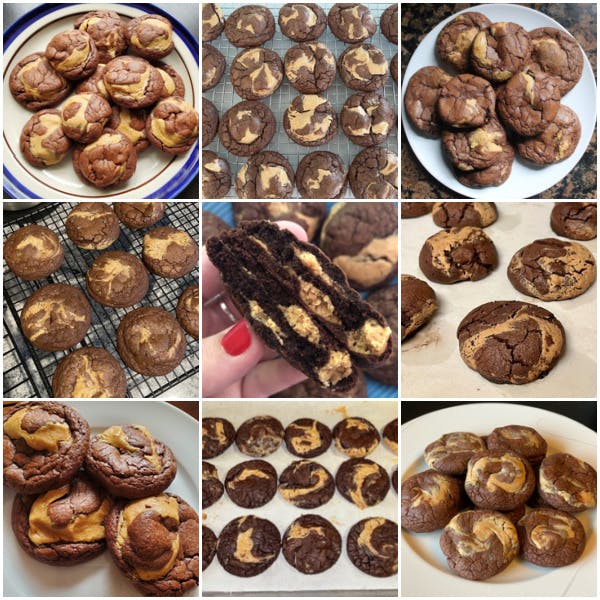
point(311, 544)
point(76, 496)
point(500, 474)
point(367, 118)
point(507, 95)
point(57, 316)
point(122, 102)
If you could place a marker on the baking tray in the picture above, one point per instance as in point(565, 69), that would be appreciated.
point(431, 366)
point(27, 370)
point(223, 96)
point(341, 579)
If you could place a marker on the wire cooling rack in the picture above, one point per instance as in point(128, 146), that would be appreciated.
point(223, 96)
point(28, 371)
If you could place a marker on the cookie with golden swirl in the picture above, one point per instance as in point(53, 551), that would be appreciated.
point(252, 483)
point(355, 437)
point(550, 538)
point(362, 482)
point(521, 439)
point(479, 544)
point(307, 438)
point(150, 36)
point(173, 125)
point(259, 436)
point(43, 141)
point(132, 82)
point(450, 453)
point(138, 215)
point(170, 252)
point(93, 226)
point(73, 54)
point(372, 546)
point(306, 484)
point(217, 435)
point(499, 480)
point(429, 500)
point(212, 488)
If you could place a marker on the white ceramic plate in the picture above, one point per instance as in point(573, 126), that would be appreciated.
point(525, 180)
point(157, 175)
point(424, 568)
point(25, 576)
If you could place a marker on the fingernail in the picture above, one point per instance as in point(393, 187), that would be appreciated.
point(237, 339)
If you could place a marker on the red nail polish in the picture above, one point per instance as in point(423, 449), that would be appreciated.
point(237, 339)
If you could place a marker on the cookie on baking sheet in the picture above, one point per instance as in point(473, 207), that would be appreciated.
point(212, 488)
point(362, 482)
point(372, 546)
point(217, 435)
point(251, 484)
point(259, 436)
point(351, 22)
point(355, 437)
point(429, 500)
point(417, 306)
point(453, 44)
point(575, 220)
point(521, 439)
point(249, 26)
point(209, 546)
point(307, 438)
point(306, 484)
point(450, 453)
point(409, 210)
point(461, 214)
point(390, 435)
point(170, 252)
point(367, 119)
point(92, 226)
point(302, 22)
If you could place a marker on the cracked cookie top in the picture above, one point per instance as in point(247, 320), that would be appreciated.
point(575, 220)
point(461, 214)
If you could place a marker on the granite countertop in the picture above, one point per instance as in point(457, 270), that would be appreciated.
point(419, 19)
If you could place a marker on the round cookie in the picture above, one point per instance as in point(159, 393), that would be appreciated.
point(250, 26)
point(209, 539)
point(212, 225)
point(373, 174)
point(64, 526)
point(575, 220)
point(84, 117)
point(138, 215)
point(479, 544)
point(394, 67)
point(461, 214)
point(251, 484)
point(466, 101)
point(351, 22)
point(172, 82)
point(216, 175)
point(73, 54)
point(213, 66)
point(89, 372)
point(256, 73)
point(92, 226)
point(56, 317)
point(363, 67)
point(306, 484)
point(170, 252)
point(43, 141)
point(311, 544)
point(33, 252)
point(217, 435)
point(126, 75)
point(261, 538)
point(213, 23)
point(372, 546)
point(212, 488)
point(107, 30)
point(310, 67)
point(302, 22)
point(451, 453)
point(321, 174)
point(429, 500)
point(409, 210)
point(172, 125)
point(495, 175)
point(310, 120)
point(128, 461)
point(418, 304)
point(150, 341)
point(246, 128)
point(362, 482)
point(131, 122)
point(552, 269)
point(155, 543)
point(94, 84)
point(395, 480)
point(510, 341)
point(521, 439)
point(367, 119)
point(36, 460)
point(390, 435)
point(389, 23)
point(307, 438)
point(187, 310)
point(567, 483)
point(150, 36)
point(259, 436)
point(355, 437)
point(550, 538)
point(266, 174)
point(210, 122)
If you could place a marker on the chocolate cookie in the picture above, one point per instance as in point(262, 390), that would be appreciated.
point(210, 122)
point(521, 439)
point(557, 53)
point(172, 82)
point(128, 461)
point(395, 480)
point(150, 341)
point(409, 210)
point(150, 36)
point(306, 484)
point(138, 215)
point(461, 214)
point(256, 73)
point(451, 453)
point(567, 483)
point(429, 500)
point(170, 252)
point(94, 83)
point(310, 120)
point(172, 125)
point(154, 542)
point(132, 81)
point(552, 269)
point(310, 389)
point(453, 44)
point(372, 546)
point(310, 68)
point(212, 225)
point(107, 30)
point(385, 301)
point(261, 543)
point(367, 119)
point(417, 306)
point(89, 372)
point(307, 438)
point(259, 436)
point(65, 525)
point(390, 435)
point(213, 66)
point(311, 544)
point(302, 22)
point(246, 128)
point(92, 226)
point(217, 435)
point(575, 220)
point(510, 341)
point(33, 252)
point(351, 23)
point(466, 101)
point(550, 538)
point(266, 174)
point(321, 174)
point(394, 67)
point(44, 446)
point(55, 317)
point(363, 67)
point(187, 310)
point(373, 174)
point(43, 141)
point(355, 437)
point(209, 539)
point(131, 122)
point(212, 488)
point(479, 544)
point(250, 26)
point(216, 175)
point(73, 54)
point(362, 482)
point(389, 23)
point(495, 175)
point(213, 23)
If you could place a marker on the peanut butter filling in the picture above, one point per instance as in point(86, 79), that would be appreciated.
point(338, 367)
point(51, 122)
point(157, 248)
point(301, 322)
point(48, 437)
point(257, 312)
point(371, 338)
point(245, 545)
point(117, 437)
point(360, 473)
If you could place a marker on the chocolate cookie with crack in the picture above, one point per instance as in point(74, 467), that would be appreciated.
point(172, 126)
point(367, 119)
point(150, 36)
point(63, 526)
point(429, 500)
point(213, 67)
point(372, 546)
point(390, 436)
point(410, 210)
point(154, 542)
point(266, 174)
point(552, 269)
point(132, 82)
point(302, 22)
point(362, 482)
point(575, 220)
point(307, 438)
point(363, 67)
point(259, 436)
point(256, 73)
point(138, 215)
point(251, 484)
point(461, 214)
point(300, 303)
point(246, 128)
point(209, 546)
point(355, 437)
point(306, 484)
point(321, 174)
point(187, 310)
point(451, 453)
point(495, 175)
point(33, 252)
point(479, 544)
point(521, 439)
point(73, 54)
point(466, 101)
point(210, 122)
point(249, 26)
point(510, 341)
point(212, 488)
point(389, 23)
point(107, 30)
point(216, 175)
point(417, 306)
point(373, 174)
point(351, 23)
point(310, 120)
point(217, 435)
point(43, 141)
point(310, 67)
point(213, 22)
point(170, 252)
point(311, 544)
point(92, 226)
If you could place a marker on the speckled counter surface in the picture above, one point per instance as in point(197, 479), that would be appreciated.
point(418, 20)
